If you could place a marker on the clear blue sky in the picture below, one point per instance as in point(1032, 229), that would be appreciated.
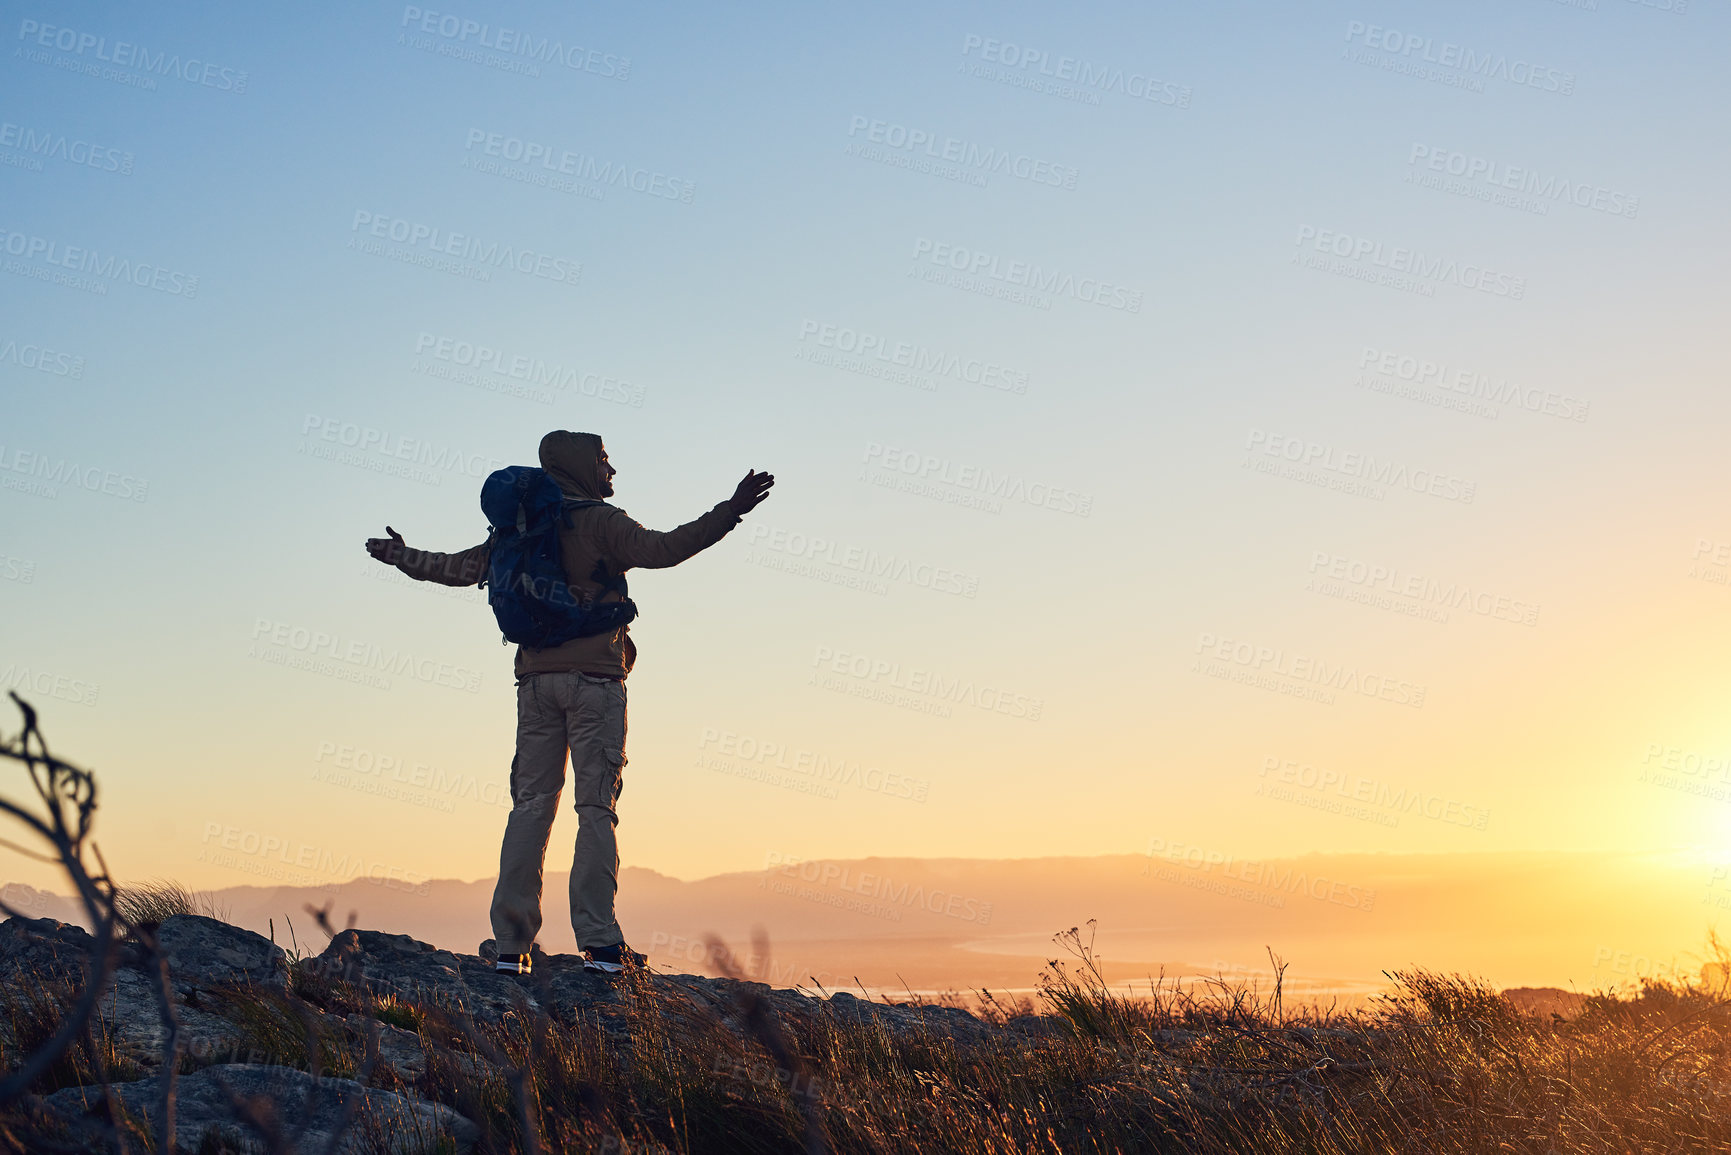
point(1399, 241)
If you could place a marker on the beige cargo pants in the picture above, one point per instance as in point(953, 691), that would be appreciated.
point(556, 713)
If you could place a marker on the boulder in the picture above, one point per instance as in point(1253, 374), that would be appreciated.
point(398, 1049)
point(410, 969)
point(316, 1104)
point(569, 989)
point(206, 952)
point(42, 950)
point(134, 1022)
point(723, 997)
point(907, 1018)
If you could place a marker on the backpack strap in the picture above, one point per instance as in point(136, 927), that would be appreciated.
point(608, 580)
point(486, 570)
point(603, 574)
point(572, 503)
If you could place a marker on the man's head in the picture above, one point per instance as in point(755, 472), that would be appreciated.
point(578, 462)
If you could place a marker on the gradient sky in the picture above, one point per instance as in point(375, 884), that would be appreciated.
point(157, 635)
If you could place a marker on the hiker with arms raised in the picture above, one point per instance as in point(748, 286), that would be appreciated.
point(555, 563)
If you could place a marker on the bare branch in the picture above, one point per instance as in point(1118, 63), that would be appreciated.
point(364, 1077)
point(259, 1113)
point(60, 785)
point(157, 968)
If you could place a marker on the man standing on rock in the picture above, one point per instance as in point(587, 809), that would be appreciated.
point(572, 696)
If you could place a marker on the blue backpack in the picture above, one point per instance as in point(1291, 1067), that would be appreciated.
point(526, 584)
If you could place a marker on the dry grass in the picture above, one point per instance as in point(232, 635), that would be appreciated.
point(1439, 1064)
point(31, 1011)
point(151, 903)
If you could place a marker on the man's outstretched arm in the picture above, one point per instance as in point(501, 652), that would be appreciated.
point(632, 546)
point(448, 569)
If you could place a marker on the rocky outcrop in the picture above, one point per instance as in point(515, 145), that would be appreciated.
point(905, 1018)
point(400, 965)
point(134, 1023)
point(208, 953)
point(301, 1101)
point(396, 964)
point(399, 1050)
point(41, 950)
point(224, 979)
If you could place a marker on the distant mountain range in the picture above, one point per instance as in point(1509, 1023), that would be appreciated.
point(1556, 919)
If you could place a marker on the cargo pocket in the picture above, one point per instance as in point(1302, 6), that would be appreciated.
point(613, 740)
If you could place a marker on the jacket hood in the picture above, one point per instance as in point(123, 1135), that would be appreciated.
point(574, 461)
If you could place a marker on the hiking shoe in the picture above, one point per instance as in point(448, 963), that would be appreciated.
point(512, 964)
point(612, 959)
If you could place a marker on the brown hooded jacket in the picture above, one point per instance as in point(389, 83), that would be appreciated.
point(602, 534)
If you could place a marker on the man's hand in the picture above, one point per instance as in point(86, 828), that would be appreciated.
point(753, 489)
point(387, 549)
